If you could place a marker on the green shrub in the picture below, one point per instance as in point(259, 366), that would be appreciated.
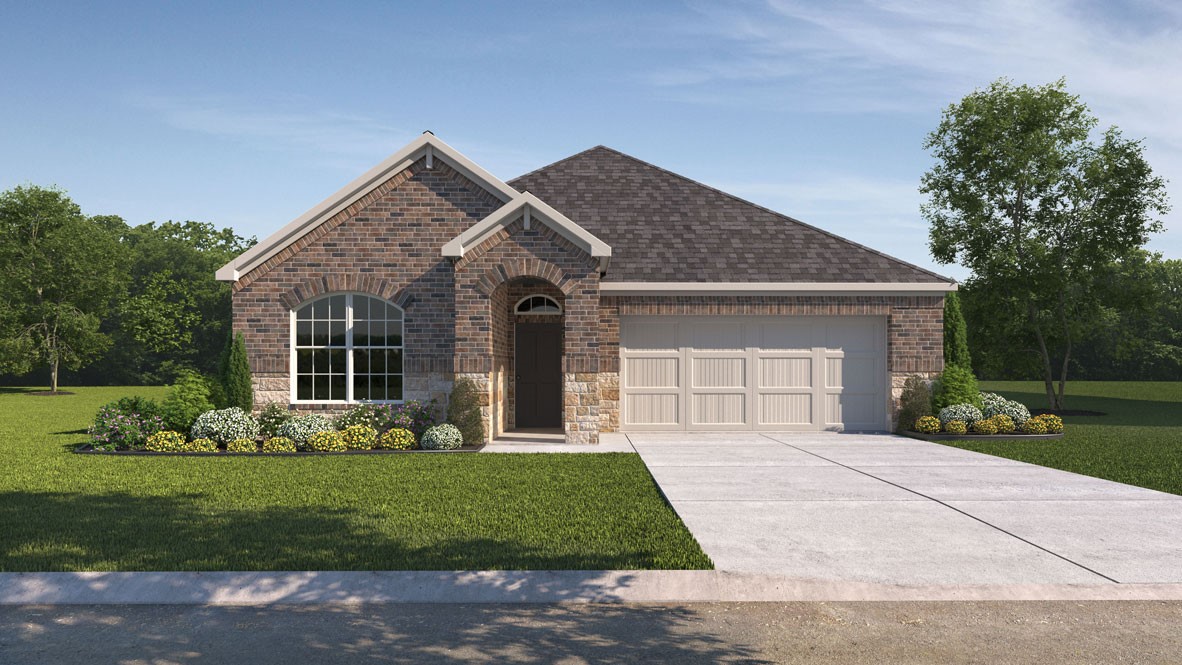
point(956, 385)
point(1054, 423)
point(360, 437)
point(327, 442)
point(201, 446)
point(272, 417)
point(166, 442)
point(1004, 423)
point(985, 426)
point(442, 437)
point(956, 340)
point(915, 402)
point(463, 410)
point(187, 398)
point(301, 428)
point(148, 409)
point(279, 444)
point(955, 427)
point(225, 425)
point(965, 413)
point(993, 404)
point(927, 425)
point(242, 446)
point(120, 425)
point(369, 415)
point(1035, 425)
point(397, 439)
point(235, 374)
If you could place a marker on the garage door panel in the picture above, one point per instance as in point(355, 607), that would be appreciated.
point(720, 336)
point(719, 372)
point(787, 335)
point(850, 338)
point(834, 368)
point(659, 409)
point(859, 371)
point(786, 372)
point(857, 411)
point(646, 336)
point(658, 372)
point(786, 409)
point(718, 409)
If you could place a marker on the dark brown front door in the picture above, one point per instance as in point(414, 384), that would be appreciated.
point(539, 375)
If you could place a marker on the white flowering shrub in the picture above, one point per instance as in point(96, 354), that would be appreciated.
point(225, 426)
point(965, 413)
point(301, 428)
point(442, 437)
point(996, 405)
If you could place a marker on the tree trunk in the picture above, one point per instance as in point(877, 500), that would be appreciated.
point(53, 375)
point(1048, 374)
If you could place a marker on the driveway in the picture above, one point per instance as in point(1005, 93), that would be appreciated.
point(886, 509)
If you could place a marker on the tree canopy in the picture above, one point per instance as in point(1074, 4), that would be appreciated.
point(1039, 207)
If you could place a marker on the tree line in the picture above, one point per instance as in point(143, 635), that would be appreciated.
point(92, 300)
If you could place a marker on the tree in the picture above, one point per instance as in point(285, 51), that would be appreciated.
point(59, 271)
point(1023, 196)
point(236, 375)
point(956, 340)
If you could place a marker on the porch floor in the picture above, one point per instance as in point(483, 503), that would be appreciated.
point(545, 440)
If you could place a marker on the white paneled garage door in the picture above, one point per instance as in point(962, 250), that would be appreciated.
point(763, 373)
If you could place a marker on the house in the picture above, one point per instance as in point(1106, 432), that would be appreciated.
point(596, 294)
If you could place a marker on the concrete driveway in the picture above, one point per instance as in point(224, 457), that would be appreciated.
point(887, 509)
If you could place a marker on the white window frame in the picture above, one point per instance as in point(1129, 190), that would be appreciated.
point(538, 295)
point(293, 375)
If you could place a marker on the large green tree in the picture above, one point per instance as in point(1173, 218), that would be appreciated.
point(59, 271)
point(1037, 206)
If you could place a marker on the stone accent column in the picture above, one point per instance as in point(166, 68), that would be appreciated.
point(580, 393)
point(609, 401)
point(483, 383)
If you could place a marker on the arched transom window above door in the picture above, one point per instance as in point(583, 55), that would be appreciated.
point(538, 304)
point(347, 347)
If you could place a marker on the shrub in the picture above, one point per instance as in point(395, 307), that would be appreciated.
point(956, 385)
point(993, 404)
point(368, 415)
point(955, 427)
point(235, 374)
point(327, 442)
point(966, 413)
point(1035, 425)
point(242, 446)
point(956, 341)
point(1048, 423)
point(187, 398)
point(1004, 423)
point(985, 426)
point(301, 428)
point(122, 426)
point(360, 437)
point(225, 425)
point(463, 410)
point(442, 437)
point(927, 425)
point(166, 442)
point(915, 402)
point(201, 446)
point(279, 444)
point(272, 417)
point(397, 438)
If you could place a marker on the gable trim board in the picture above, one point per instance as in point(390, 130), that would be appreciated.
point(771, 288)
point(427, 145)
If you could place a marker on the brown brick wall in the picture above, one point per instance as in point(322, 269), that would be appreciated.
point(387, 244)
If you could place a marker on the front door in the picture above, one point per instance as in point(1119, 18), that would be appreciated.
point(539, 375)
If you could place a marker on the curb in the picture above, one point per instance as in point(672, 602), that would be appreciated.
point(563, 586)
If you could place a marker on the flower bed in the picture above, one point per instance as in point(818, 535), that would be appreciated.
point(992, 416)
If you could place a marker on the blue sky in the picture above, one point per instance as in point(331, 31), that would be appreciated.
point(247, 115)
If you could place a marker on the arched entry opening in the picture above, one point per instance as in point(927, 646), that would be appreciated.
point(528, 330)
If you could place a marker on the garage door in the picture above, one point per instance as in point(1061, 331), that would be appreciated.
point(761, 373)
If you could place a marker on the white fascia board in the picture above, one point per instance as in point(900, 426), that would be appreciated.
point(538, 210)
point(350, 193)
point(775, 288)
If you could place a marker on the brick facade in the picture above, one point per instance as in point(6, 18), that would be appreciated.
point(459, 319)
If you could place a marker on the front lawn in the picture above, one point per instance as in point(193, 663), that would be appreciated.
point(1138, 441)
point(63, 512)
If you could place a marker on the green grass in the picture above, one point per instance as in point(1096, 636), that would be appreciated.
point(1138, 441)
point(65, 512)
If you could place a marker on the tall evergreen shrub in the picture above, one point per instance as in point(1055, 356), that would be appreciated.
point(235, 375)
point(956, 336)
point(463, 411)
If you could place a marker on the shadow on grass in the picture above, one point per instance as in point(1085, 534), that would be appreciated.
point(53, 531)
point(1117, 410)
point(376, 633)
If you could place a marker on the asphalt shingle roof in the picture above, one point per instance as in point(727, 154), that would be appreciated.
point(664, 227)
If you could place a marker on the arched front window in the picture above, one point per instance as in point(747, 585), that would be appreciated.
point(538, 304)
point(347, 348)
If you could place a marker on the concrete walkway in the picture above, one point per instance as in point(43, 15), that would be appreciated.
point(882, 509)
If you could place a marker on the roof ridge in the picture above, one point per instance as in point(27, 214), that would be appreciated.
point(564, 159)
point(750, 203)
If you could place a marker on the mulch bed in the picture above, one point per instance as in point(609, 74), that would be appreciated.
point(962, 437)
point(49, 393)
point(1066, 412)
point(87, 449)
